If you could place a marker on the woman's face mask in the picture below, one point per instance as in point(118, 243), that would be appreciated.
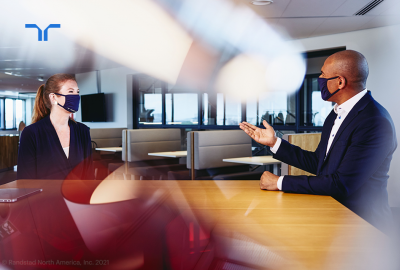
point(71, 102)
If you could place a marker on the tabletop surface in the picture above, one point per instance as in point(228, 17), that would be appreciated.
point(305, 231)
point(172, 154)
point(110, 149)
point(256, 160)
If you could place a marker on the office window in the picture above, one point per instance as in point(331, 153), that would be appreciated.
point(314, 108)
point(1, 113)
point(181, 109)
point(9, 114)
point(252, 111)
point(233, 111)
point(19, 112)
point(213, 109)
point(273, 107)
point(150, 100)
point(220, 109)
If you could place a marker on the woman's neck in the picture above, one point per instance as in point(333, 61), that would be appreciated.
point(59, 119)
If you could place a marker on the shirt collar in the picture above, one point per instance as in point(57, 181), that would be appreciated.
point(346, 106)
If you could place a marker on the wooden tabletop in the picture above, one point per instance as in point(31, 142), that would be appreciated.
point(257, 160)
point(295, 231)
point(171, 154)
point(110, 149)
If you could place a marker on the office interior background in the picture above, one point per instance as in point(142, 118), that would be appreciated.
point(136, 98)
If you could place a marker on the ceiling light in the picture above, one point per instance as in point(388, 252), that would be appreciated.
point(40, 79)
point(8, 73)
point(261, 2)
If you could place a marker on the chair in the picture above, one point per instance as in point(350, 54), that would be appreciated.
point(306, 141)
point(279, 119)
point(210, 148)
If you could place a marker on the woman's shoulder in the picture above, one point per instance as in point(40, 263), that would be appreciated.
point(80, 127)
point(34, 127)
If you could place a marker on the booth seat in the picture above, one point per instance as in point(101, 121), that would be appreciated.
point(140, 142)
point(210, 148)
point(105, 137)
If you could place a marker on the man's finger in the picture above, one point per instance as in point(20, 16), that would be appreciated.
point(249, 132)
point(266, 125)
point(253, 127)
point(246, 128)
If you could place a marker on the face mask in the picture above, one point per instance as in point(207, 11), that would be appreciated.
point(71, 102)
point(325, 94)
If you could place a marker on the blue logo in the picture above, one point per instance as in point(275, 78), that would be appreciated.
point(40, 30)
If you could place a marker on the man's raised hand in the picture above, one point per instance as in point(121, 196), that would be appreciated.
point(264, 136)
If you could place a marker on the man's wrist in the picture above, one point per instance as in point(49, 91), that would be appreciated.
point(274, 142)
point(279, 184)
point(275, 147)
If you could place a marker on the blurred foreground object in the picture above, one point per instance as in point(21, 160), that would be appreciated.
point(203, 44)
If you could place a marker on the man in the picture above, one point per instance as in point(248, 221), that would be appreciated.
point(353, 157)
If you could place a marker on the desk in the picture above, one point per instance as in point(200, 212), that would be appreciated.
point(257, 160)
point(307, 231)
point(109, 149)
point(171, 154)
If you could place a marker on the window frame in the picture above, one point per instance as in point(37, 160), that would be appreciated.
point(3, 113)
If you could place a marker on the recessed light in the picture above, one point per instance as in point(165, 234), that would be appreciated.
point(261, 2)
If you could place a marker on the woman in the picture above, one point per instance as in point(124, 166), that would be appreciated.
point(54, 146)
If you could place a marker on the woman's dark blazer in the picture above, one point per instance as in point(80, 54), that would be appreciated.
point(41, 156)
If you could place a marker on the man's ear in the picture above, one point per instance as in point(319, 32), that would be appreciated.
point(342, 82)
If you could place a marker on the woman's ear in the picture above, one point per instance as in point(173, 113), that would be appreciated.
point(52, 99)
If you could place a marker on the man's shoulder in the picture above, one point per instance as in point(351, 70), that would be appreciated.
point(375, 110)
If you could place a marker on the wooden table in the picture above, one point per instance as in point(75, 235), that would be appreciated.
point(257, 160)
point(171, 154)
point(264, 228)
point(109, 149)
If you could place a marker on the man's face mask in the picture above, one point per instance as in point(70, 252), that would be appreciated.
point(323, 85)
point(71, 102)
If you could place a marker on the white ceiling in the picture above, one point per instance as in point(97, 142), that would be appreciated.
point(298, 18)
point(310, 18)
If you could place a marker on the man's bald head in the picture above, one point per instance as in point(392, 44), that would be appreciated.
point(352, 65)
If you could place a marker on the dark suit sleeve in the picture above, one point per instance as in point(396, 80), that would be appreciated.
point(27, 157)
point(295, 156)
point(371, 143)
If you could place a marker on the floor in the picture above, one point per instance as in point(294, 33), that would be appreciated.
point(8, 176)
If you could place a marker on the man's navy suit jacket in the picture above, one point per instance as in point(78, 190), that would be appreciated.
point(355, 170)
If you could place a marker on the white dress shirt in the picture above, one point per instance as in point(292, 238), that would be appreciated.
point(342, 111)
point(66, 151)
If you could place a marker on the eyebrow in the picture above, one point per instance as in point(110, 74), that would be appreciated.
point(72, 89)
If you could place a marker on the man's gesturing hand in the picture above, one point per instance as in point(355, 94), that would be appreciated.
point(269, 181)
point(264, 136)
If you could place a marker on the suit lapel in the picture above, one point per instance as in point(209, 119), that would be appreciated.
point(360, 105)
point(326, 130)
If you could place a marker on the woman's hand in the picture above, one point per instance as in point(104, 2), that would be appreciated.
point(264, 136)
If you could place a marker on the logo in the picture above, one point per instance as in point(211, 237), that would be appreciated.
point(45, 30)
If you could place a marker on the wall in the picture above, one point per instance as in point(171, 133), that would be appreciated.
point(115, 85)
point(314, 65)
point(381, 48)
